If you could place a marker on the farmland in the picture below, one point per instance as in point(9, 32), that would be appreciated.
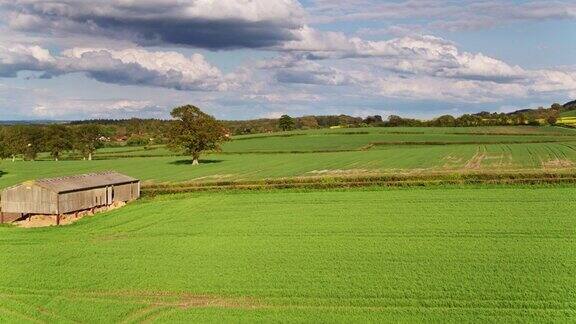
point(363, 151)
point(443, 253)
point(493, 254)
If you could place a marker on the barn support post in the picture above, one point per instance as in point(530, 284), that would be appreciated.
point(57, 219)
point(1, 217)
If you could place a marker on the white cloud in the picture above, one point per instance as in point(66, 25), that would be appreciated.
point(430, 88)
point(16, 57)
point(312, 65)
point(142, 67)
point(444, 14)
point(410, 54)
point(83, 108)
point(126, 67)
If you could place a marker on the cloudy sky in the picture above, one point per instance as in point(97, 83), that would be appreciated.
point(241, 59)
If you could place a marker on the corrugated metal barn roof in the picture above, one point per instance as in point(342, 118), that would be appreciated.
point(84, 181)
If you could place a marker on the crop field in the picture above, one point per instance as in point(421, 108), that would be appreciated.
point(338, 152)
point(443, 253)
point(381, 160)
point(493, 255)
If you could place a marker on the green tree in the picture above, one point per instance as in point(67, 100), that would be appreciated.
point(28, 141)
point(552, 120)
point(87, 140)
point(308, 122)
point(4, 152)
point(195, 132)
point(444, 121)
point(14, 142)
point(286, 123)
point(395, 121)
point(58, 140)
point(556, 106)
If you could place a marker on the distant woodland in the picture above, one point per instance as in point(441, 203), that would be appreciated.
point(86, 136)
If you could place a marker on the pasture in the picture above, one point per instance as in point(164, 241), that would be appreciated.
point(501, 254)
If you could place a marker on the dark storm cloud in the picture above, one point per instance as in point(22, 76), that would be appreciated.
point(214, 35)
point(225, 24)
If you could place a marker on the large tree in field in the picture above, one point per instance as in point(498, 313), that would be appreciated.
point(286, 123)
point(195, 132)
point(58, 140)
point(87, 140)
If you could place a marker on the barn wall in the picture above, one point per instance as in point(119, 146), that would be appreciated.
point(33, 199)
point(135, 190)
point(29, 199)
point(80, 200)
point(123, 192)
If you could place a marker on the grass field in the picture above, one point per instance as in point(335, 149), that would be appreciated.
point(459, 253)
point(331, 153)
point(482, 255)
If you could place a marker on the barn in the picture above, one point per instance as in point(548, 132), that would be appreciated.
point(71, 194)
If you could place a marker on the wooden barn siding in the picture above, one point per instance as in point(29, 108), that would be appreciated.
point(86, 199)
point(135, 190)
point(29, 199)
point(123, 192)
point(38, 200)
point(80, 200)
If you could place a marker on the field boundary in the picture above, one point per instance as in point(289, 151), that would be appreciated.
point(419, 180)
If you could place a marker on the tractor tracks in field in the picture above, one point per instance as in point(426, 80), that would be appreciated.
point(154, 305)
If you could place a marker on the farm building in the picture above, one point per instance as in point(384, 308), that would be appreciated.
point(71, 194)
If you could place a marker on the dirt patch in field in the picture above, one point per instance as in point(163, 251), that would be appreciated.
point(67, 219)
point(475, 162)
point(451, 161)
point(342, 172)
point(557, 164)
point(215, 177)
point(169, 299)
point(201, 301)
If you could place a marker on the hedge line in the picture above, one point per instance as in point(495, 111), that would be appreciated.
point(365, 181)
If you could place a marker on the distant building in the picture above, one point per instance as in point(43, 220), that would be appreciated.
point(65, 195)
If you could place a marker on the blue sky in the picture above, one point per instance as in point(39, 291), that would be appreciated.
point(242, 59)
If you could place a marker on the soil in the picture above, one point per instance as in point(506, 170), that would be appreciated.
point(66, 219)
point(475, 162)
point(342, 172)
point(558, 163)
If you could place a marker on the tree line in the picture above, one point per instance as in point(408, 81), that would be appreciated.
point(193, 131)
point(535, 117)
point(30, 140)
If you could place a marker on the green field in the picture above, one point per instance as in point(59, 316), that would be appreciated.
point(459, 253)
point(481, 255)
point(339, 152)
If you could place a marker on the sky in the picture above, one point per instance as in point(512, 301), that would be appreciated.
point(244, 59)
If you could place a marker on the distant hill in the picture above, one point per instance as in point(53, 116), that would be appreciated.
point(31, 122)
point(570, 105)
point(566, 110)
